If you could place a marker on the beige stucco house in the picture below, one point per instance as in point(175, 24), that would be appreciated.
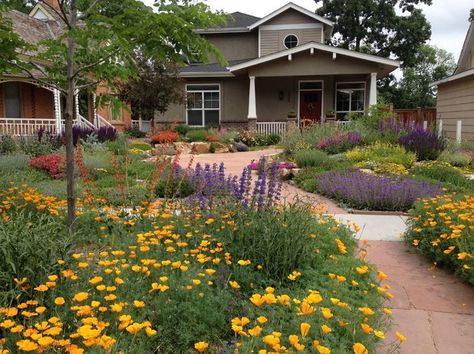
point(276, 65)
point(455, 107)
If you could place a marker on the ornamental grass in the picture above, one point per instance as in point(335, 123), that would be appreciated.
point(442, 229)
point(170, 279)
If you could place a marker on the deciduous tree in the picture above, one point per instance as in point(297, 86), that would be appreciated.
point(98, 44)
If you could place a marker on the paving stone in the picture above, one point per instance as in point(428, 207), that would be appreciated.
point(453, 333)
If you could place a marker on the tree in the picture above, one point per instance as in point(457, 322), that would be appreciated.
point(157, 86)
point(374, 26)
point(414, 89)
point(471, 16)
point(98, 45)
point(20, 5)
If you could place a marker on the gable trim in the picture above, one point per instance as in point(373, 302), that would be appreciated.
point(454, 77)
point(318, 46)
point(293, 7)
point(40, 7)
point(290, 27)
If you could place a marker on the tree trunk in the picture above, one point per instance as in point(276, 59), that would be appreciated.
point(70, 114)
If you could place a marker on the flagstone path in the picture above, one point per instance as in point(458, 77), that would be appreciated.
point(432, 308)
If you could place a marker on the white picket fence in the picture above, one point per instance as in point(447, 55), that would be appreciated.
point(267, 128)
point(142, 125)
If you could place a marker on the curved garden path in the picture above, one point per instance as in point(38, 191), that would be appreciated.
point(434, 309)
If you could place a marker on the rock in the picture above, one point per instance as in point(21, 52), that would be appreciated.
point(200, 148)
point(183, 147)
point(221, 148)
point(241, 147)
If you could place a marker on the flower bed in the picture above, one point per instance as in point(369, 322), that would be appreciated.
point(441, 229)
point(364, 191)
point(152, 278)
point(53, 164)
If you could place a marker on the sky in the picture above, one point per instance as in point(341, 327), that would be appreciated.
point(448, 18)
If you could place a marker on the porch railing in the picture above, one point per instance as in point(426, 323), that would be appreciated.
point(144, 125)
point(26, 126)
point(267, 128)
point(102, 122)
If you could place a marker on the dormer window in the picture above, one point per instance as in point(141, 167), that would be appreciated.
point(291, 41)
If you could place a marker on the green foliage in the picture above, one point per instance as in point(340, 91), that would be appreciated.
point(135, 132)
point(196, 135)
point(382, 153)
point(31, 242)
point(307, 138)
point(119, 146)
point(182, 129)
point(311, 158)
point(7, 145)
point(377, 27)
point(438, 230)
point(33, 147)
point(137, 145)
point(248, 138)
point(446, 174)
point(267, 140)
point(457, 159)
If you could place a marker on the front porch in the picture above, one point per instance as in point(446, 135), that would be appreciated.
point(26, 107)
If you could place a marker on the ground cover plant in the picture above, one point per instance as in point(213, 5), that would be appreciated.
point(451, 177)
point(360, 190)
point(441, 229)
point(382, 153)
point(145, 279)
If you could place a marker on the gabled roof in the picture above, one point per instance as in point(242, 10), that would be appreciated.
point(317, 46)
point(238, 22)
point(468, 43)
point(291, 6)
point(209, 70)
point(458, 76)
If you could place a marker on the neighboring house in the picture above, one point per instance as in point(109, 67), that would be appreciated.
point(278, 65)
point(26, 105)
point(456, 94)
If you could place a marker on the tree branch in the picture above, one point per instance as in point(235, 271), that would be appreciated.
point(91, 84)
point(62, 14)
point(91, 65)
point(32, 76)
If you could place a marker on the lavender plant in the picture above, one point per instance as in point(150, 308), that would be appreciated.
point(424, 143)
point(363, 191)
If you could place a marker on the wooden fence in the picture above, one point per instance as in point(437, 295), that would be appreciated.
point(418, 115)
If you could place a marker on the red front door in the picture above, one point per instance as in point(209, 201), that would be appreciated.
point(310, 107)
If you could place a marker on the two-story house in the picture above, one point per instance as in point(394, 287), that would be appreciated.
point(278, 64)
point(455, 105)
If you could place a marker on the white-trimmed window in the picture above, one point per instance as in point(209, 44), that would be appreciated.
point(203, 104)
point(291, 41)
point(12, 99)
point(350, 98)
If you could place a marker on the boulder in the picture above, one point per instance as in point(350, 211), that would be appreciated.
point(200, 148)
point(221, 148)
point(241, 147)
point(183, 147)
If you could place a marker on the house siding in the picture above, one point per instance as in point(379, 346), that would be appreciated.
point(36, 102)
point(235, 46)
point(290, 17)
point(456, 102)
point(272, 41)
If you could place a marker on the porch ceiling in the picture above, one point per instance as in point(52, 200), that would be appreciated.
point(316, 59)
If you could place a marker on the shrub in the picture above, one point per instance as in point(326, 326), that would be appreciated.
point(135, 132)
point(81, 133)
point(53, 164)
point(37, 147)
point(118, 146)
point(267, 139)
point(308, 137)
point(443, 173)
point(173, 183)
point(247, 138)
point(182, 129)
point(196, 135)
point(212, 138)
point(457, 159)
point(107, 133)
point(364, 191)
point(7, 144)
point(138, 145)
point(391, 129)
point(340, 142)
point(383, 168)
point(164, 137)
point(424, 143)
point(310, 158)
point(382, 153)
point(441, 229)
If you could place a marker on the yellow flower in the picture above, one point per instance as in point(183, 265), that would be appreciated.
point(326, 329)
point(387, 311)
point(462, 255)
point(362, 270)
point(359, 348)
point(271, 340)
point(366, 311)
point(257, 299)
point(304, 329)
point(79, 297)
point(306, 309)
point(138, 304)
point(150, 332)
point(234, 284)
point(382, 276)
point(284, 299)
point(379, 334)
point(327, 314)
point(366, 328)
point(59, 301)
point(244, 262)
point(201, 346)
point(255, 331)
point(262, 319)
point(7, 324)
point(400, 337)
point(323, 350)
point(27, 345)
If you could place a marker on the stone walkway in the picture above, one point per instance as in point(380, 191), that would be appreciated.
point(432, 308)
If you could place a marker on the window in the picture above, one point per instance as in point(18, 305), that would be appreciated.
point(291, 41)
point(350, 98)
point(203, 104)
point(12, 100)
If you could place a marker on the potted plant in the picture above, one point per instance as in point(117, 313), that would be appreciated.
point(330, 115)
point(292, 114)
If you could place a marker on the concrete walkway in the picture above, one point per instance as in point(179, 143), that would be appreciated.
point(432, 308)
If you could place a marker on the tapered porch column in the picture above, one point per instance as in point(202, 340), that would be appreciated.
point(373, 89)
point(57, 110)
point(252, 113)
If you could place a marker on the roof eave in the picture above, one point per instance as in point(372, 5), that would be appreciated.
point(223, 30)
point(205, 74)
point(454, 77)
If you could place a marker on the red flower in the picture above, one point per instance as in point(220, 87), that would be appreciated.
point(53, 164)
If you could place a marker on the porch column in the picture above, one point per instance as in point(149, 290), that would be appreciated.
point(252, 113)
point(373, 89)
point(96, 116)
point(76, 104)
point(57, 110)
